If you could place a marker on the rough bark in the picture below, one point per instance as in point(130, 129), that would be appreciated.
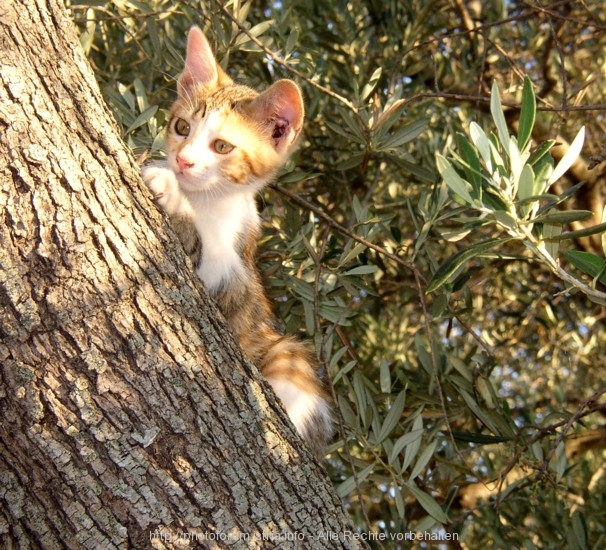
point(126, 409)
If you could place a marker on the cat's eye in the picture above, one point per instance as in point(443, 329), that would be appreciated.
point(181, 127)
point(222, 147)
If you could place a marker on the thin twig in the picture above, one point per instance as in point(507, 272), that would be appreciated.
point(586, 408)
point(517, 106)
point(277, 59)
point(557, 269)
point(340, 228)
point(419, 281)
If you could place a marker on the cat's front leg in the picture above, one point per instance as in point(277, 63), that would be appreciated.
point(162, 182)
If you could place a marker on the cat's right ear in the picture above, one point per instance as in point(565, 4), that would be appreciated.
point(201, 67)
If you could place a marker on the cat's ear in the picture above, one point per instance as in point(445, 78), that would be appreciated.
point(201, 67)
point(280, 109)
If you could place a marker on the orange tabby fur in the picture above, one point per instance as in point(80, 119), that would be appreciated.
point(225, 141)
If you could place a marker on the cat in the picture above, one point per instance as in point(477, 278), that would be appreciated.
point(225, 141)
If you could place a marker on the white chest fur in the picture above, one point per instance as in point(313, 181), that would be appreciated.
point(223, 223)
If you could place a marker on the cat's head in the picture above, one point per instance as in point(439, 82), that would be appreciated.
point(224, 136)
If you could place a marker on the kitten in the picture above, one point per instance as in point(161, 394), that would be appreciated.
point(225, 142)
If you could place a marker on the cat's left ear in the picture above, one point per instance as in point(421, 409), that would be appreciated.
point(280, 108)
point(201, 67)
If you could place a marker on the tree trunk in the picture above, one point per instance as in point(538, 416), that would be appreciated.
point(128, 418)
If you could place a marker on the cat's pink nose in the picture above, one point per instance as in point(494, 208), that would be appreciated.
point(183, 163)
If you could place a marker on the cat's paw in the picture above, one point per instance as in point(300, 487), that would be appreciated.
point(163, 183)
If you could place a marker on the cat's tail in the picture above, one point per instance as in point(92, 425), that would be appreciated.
point(290, 368)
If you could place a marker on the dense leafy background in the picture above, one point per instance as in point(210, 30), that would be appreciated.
point(477, 408)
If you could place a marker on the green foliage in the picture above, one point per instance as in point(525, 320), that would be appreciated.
point(443, 268)
point(508, 187)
